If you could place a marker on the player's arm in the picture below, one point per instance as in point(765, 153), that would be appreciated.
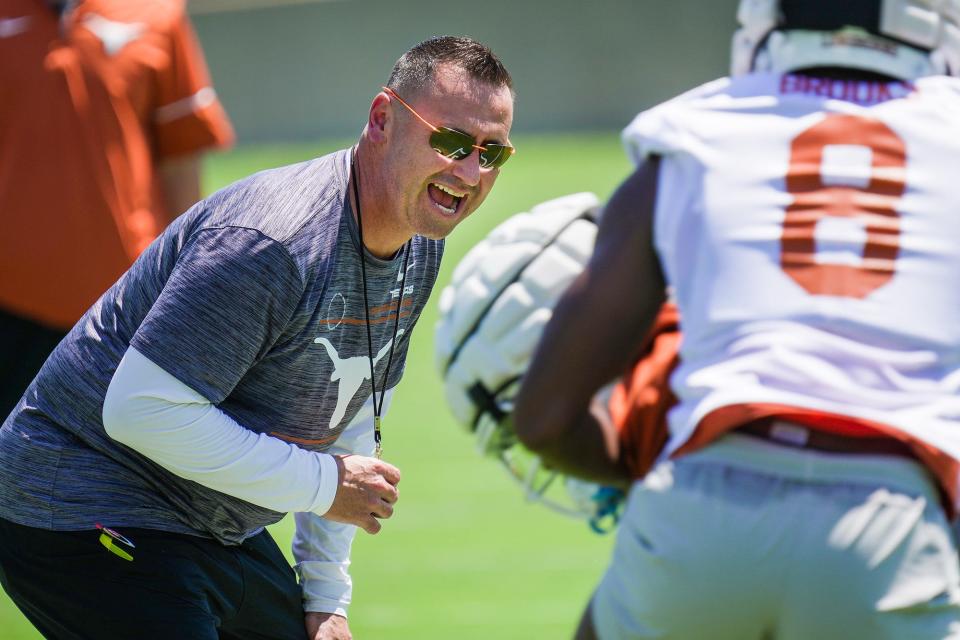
point(595, 334)
point(180, 182)
point(188, 118)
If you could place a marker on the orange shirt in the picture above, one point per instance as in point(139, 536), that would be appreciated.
point(89, 103)
point(641, 399)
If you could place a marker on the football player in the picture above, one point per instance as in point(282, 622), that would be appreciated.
point(804, 213)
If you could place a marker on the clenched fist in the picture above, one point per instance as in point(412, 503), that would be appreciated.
point(367, 491)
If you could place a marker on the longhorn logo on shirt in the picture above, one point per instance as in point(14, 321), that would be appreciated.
point(114, 35)
point(351, 373)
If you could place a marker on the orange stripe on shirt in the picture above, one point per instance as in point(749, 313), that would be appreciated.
point(392, 306)
point(360, 321)
point(306, 441)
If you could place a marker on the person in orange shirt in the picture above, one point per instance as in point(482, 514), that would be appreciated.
point(105, 109)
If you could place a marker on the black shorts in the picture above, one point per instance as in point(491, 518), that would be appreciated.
point(69, 585)
point(24, 347)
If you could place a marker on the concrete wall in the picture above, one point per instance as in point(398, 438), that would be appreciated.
point(309, 70)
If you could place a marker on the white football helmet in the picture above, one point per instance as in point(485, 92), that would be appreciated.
point(904, 39)
point(492, 314)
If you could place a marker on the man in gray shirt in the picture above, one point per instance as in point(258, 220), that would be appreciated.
point(238, 371)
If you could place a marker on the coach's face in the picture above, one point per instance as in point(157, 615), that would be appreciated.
point(435, 193)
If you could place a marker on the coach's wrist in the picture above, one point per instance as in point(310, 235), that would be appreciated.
point(326, 626)
point(329, 481)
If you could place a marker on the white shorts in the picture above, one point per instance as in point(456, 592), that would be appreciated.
point(747, 539)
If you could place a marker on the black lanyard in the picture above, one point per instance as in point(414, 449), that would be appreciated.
point(366, 309)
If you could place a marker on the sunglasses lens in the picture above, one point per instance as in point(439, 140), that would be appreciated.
point(495, 155)
point(451, 144)
point(458, 145)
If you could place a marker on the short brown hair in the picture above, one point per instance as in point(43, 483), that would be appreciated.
point(414, 70)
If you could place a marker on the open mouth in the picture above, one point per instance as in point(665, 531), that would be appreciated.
point(446, 198)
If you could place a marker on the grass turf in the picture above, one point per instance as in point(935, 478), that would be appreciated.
point(465, 556)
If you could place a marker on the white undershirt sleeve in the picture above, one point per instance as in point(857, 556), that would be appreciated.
point(152, 412)
point(321, 548)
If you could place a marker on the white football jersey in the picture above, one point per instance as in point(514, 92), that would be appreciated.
point(810, 230)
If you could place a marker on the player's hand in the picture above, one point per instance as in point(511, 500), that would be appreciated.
point(326, 626)
point(366, 493)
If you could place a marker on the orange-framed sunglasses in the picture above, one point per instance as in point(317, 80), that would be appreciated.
point(457, 145)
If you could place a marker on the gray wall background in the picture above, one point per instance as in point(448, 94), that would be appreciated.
point(309, 70)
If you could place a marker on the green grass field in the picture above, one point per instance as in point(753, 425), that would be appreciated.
point(465, 556)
